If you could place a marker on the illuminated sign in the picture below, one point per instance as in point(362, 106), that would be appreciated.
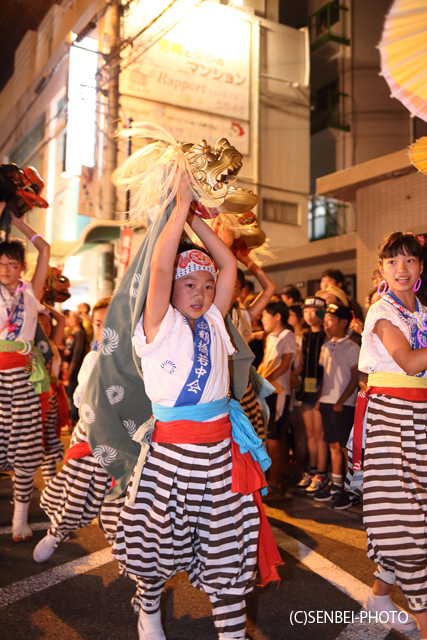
point(189, 126)
point(81, 116)
point(202, 63)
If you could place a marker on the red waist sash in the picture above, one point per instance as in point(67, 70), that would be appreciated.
point(411, 393)
point(189, 432)
point(12, 360)
point(246, 477)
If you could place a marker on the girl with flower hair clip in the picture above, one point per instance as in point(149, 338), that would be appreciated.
point(393, 413)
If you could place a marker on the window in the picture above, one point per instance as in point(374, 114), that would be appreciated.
point(279, 211)
point(326, 218)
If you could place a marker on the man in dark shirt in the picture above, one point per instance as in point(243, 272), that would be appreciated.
point(79, 350)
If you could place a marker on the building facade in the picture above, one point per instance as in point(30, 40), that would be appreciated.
point(204, 70)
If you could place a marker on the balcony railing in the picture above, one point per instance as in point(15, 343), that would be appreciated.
point(328, 110)
point(328, 24)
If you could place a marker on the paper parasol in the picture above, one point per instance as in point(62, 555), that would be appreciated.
point(418, 154)
point(403, 50)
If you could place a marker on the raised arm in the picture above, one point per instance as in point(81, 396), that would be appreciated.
point(224, 260)
point(412, 361)
point(268, 286)
point(162, 263)
point(43, 248)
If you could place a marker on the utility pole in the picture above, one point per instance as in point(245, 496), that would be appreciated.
point(110, 151)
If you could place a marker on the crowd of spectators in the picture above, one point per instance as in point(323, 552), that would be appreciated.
point(308, 349)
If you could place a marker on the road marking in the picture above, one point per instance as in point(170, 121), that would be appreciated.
point(340, 579)
point(352, 537)
point(336, 576)
point(25, 588)
point(35, 526)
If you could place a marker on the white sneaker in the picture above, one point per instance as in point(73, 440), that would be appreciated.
point(150, 626)
point(377, 604)
point(318, 483)
point(45, 548)
point(305, 481)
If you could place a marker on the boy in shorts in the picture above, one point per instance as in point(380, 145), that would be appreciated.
point(315, 479)
point(339, 358)
point(279, 353)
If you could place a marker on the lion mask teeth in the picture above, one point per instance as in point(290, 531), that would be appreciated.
point(213, 169)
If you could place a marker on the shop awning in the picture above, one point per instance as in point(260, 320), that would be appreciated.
point(97, 232)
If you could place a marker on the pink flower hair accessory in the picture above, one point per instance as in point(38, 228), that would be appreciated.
point(420, 239)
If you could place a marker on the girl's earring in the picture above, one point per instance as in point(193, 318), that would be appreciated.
point(417, 285)
point(382, 287)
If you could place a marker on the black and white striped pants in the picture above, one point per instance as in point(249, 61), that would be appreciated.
point(73, 498)
point(395, 494)
point(252, 408)
point(185, 518)
point(53, 447)
point(21, 440)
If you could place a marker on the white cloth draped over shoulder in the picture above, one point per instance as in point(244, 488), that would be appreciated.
point(167, 361)
point(32, 307)
point(83, 376)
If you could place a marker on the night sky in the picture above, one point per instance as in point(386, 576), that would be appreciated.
point(16, 17)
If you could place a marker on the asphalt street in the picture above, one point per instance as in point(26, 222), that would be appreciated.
point(78, 593)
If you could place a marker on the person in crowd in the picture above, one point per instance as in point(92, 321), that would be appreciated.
point(339, 358)
point(291, 295)
point(84, 310)
point(242, 316)
point(247, 289)
point(335, 277)
point(53, 447)
point(74, 497)
point(22, 374)
point(296, 321)
point(279, 353)
point(394, 410)
point(78, 352)
point(373, 296)
point(335, 295)
point(242, 319)
point(258, 336)
point(315, 479)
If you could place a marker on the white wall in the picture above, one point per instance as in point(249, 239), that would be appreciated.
point(284, 131)
point(392, 205)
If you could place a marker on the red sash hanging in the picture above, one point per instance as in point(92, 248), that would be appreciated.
point(246, 477)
